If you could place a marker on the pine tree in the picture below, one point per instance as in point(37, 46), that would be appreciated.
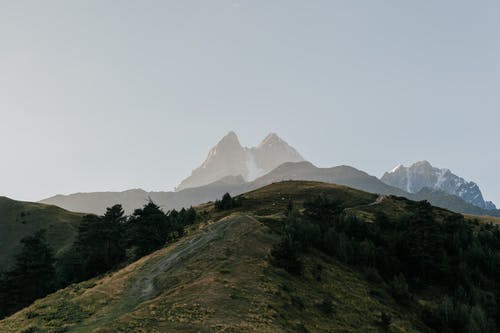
point(32, 277)
point(113, 230)
point(148, 229)
point(100, 241)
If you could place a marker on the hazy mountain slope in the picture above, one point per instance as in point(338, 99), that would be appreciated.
point(422, 174)
point(226, 158)
point(342, 175)
point(271, 153)
point(20, 219)
point(229, 158)
point(196, 196)
point(219, 279)
point(96, 202)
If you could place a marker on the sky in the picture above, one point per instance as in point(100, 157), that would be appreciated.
point(102, 95)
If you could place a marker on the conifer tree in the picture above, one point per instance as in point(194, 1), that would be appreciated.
point(32, 277)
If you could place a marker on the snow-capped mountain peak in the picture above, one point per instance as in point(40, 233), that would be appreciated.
point(229, 158)
point(396, 168)
point(422, 174)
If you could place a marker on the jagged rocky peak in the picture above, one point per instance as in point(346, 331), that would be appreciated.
point(229, 158)
point(272, 152)
point(230, 140)
point(228, 147)
point(422, 175)
point(270, 139)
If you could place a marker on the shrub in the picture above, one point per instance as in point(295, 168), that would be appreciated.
point(326, 305)
point(285, 255)
point(385, 320)
point(399, 289)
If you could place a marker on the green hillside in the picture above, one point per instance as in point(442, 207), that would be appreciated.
point(222, 277)
point(20, 219)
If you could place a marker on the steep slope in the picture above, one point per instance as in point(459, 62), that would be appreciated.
point(271, 153)
point(422, 174)
point(20, 219)
point(229, 158)
point(219, 279)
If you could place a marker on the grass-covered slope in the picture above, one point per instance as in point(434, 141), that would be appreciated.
point(220, 278)
point(20, 219)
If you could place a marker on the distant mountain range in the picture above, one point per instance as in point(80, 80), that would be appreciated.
point(422, 175)
point(233, 168)
point(230, 158)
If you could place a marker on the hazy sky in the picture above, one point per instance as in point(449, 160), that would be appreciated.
point(111, 95)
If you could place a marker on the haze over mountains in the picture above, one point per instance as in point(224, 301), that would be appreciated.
point(230, 167)
point(230, 158)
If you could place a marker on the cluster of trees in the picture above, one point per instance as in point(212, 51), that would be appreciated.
point(459, 258)
point(32, 277)
point(103, 243)
point(227, 202)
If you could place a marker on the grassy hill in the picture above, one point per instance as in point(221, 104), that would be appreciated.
point(219, 278)
point(20, 219)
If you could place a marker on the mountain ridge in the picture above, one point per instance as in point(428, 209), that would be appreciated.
point(422, 174)
point(230, 167)
point(229, 158)
point(343, 175)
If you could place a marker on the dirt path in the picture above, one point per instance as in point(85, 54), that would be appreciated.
point(143, 288)
point(379, 200)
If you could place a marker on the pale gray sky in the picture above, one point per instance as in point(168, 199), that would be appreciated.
point(110, 95)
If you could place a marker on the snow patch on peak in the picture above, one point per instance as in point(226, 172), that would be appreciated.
point(423, 175)
point(253, 171)
point(441, 178)
point(423, 163)
point(397, 168)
